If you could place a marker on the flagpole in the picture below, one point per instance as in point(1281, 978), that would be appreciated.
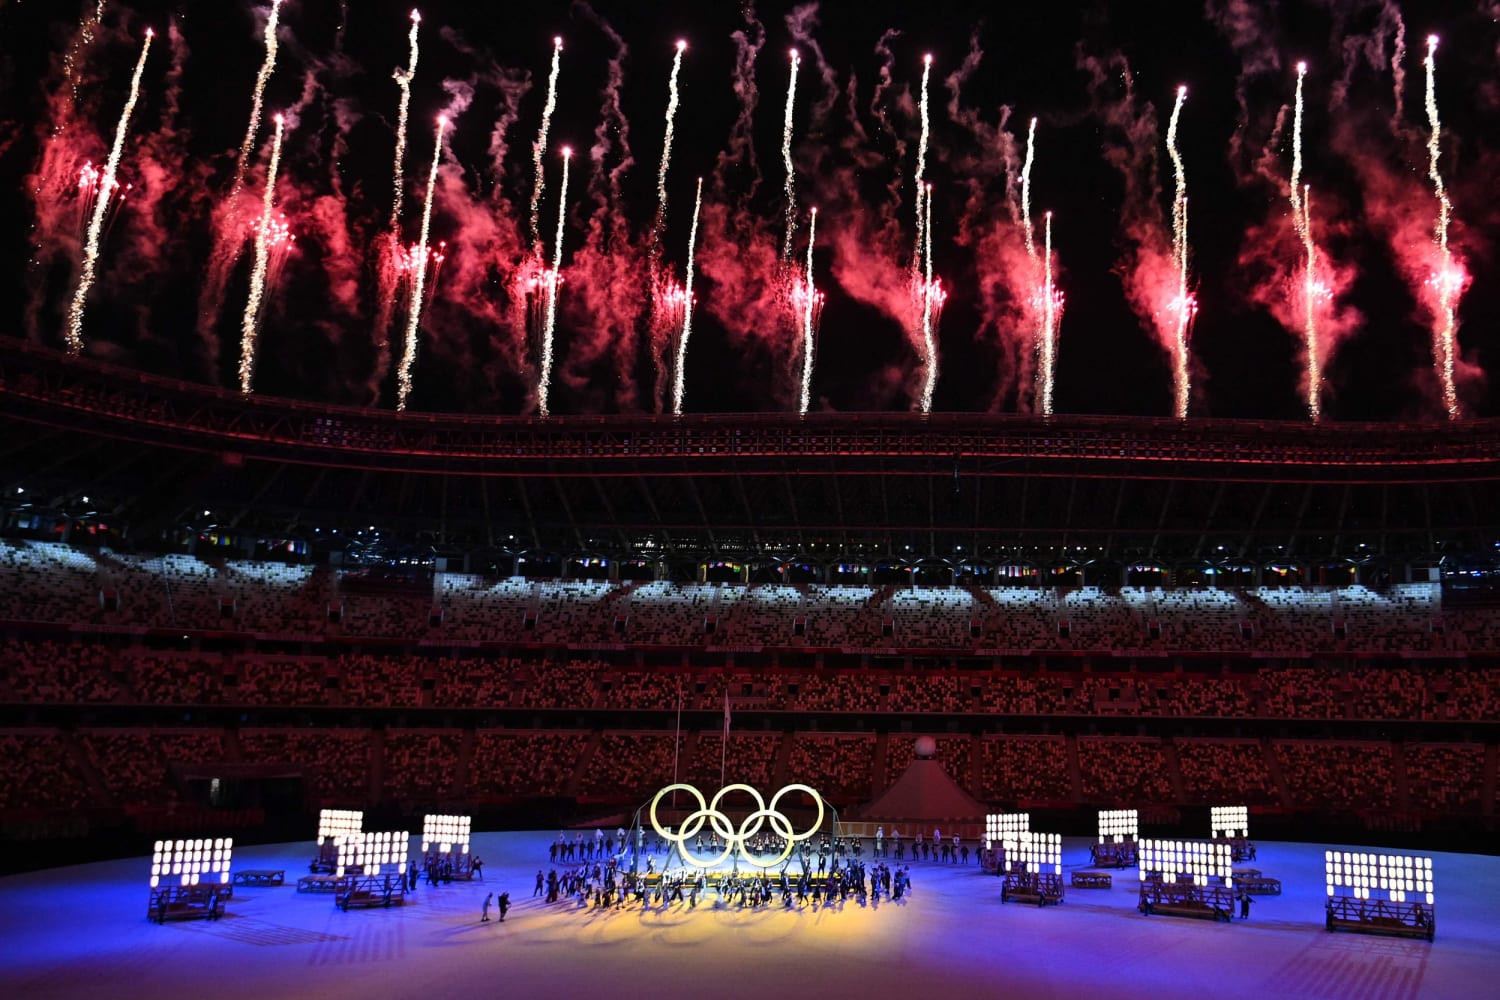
point(677, 743)
point(724, 743)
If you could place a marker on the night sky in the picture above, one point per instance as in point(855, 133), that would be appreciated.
point(334, 76)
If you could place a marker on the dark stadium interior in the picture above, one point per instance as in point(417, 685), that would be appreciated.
point(323, 606)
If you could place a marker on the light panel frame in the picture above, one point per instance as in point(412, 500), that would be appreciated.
point(1397, 876)
point(998, 826)
point(1034, 850)
point(449, 833)
point(192, 862)
point(335, 825)
point(375, 852)
point(1119, 825)
point(1202, 859)
point(1229, 821)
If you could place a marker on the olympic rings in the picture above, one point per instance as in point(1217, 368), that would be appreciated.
point(708, 812)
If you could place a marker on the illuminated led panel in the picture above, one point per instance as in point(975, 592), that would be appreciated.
point(339, 824)
point(375, 853)
point(1230, 821)
point(1118, 825)
point(1033, 850)
point(1202, 859)
point(447, 832)
point(191, 862)
point(1399, 878)
point(998, 826)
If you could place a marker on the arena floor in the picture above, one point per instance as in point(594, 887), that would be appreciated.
point(82, 932)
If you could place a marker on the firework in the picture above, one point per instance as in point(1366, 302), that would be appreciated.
point(1311, 288)
point(1045, 297)
point(539, 148)
point(1183, 305)
point(257, 100)
point(1052, 303)
point(403, 78)
point(1448, 282)
point(786, 159)
point(916, 259)
point(666, 151)
point(666, 297)
point(679, 370)
point(88, 27)
point(92, 188)
point(419, 276)
point(1026, 191)
point(263, 235)
point(931, 298)
point(553, 279)
point(280, 242)
point(104, 189)
point(810, 302)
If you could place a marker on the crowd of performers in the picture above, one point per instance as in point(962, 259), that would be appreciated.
point(603, 885)
point(598, 846)
point(610, 872)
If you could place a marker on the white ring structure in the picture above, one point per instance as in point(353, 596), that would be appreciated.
point(708, 812)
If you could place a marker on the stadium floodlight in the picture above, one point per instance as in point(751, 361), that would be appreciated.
point(998, 826)
point(1033, 851)
point(1200, 859)
point(447, 832)
point(1231, 821)
point(336, 825)
point(1117, 825)
point(1399, 878)
point(191, 862)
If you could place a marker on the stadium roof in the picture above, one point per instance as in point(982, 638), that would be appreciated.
point(157, 452)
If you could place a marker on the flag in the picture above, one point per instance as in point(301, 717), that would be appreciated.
point(726, 713)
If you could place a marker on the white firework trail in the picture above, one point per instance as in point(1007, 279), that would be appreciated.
point(88, 25)
point(539, 148)
point(679, 370)
point(666, 151)
point(1302, 220)
point(257, 101)
point(419, 276)
point(921, 178)
point(809, 314)
point(1026, 191)
point(1449, 278)
point(1180, 371)
point(929, 304)
point(107, 185)
point(786, 160)
point(553, 279)
point(249, 323)
point(403, 78)
point(1051, 310)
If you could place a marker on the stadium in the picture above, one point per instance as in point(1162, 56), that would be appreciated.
point(224, 615)
point(1019, 587)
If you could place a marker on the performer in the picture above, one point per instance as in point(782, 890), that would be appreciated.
point(485, 914)
point(504, 903)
